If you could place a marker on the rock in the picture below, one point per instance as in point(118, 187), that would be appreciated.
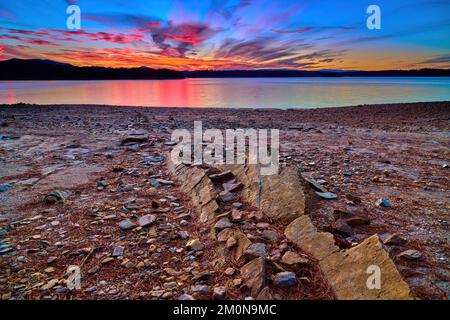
point(353, 198)
point(194, 244)
point(127, 225)
point(54, 197)
point(352, 218)
point(254, 275)
point(186, 297)
point(183, 234)
point(167, 295)
point(226, 196)
point(220, 177)
point(410, 255)
point(303, 233)
point(265, 294)
point(51, 259)
point(229, 271)
point(383, 203)
point(118, 251)
point(136, 137)
point(93, 270)
point(50, 284)
point(231, 242)
point(232, 187)
point(237, 205)
point(293, 259)
point(170, 285)
point(223, 223)
point(203, 276)
point(5, 187)
point(242, 244)
point(225, 234)
point(219, 293)
point(107, 260)
point(236, 215)
point(270, 235)
point(201, 289)
point(394, 240)
point(342, 228)
point(326, 195)
point(285, 279)
point(146, 220)
point(256, 250)
point(316, 185)
point(347, 273)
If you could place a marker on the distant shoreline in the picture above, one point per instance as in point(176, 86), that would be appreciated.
point(20, 69)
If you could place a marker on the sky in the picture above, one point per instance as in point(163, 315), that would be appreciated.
point(230, 34)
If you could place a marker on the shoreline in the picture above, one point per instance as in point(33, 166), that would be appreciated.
point(398, 152)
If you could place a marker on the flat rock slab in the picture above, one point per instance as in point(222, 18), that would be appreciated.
point(71, 177)
point(347, 270)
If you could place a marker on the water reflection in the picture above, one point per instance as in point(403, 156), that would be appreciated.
point(242, 93)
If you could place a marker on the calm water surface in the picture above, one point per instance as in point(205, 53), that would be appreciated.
point(236, 92)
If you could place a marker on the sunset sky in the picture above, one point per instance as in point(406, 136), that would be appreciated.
point(230, 34)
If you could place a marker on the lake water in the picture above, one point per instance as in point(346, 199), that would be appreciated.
point(236, 92)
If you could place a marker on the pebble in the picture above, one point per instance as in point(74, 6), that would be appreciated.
point(186, 297)
point(219, 293)
point(223, 223)
point(146, 220)
point(256, 250)
point(118, 251)
point(383, 203)
point(410, 254)
point(194, 244)
point(200, 289)
point(285, 279)
point(293, 259)
point(127, 225)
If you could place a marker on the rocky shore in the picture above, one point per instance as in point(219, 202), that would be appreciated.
point(93, 187)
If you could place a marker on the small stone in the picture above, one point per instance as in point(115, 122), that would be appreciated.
point(237, 205)
point(93, 270)
point(200, 289)
point(229, 271)
point(224, 176)
point(326, 195)
point(226, 196)
point(285, 279)
point(170, 285)
point(167, 295)
point(293, 259)
point(106, 260)
point(342, 228)
point(236, 215)
point(127, 225)
point(194, 244)
point(394, 240)
point(256, 250)
point(49, 270)
point(156, 293)
point(146, 220)
point(51, 259)
point(186, 297)
point(118, 251)
point(237, 282)
point(219, 293)
point(223, 224)
point(270, 235)
point(410, 255)
point(383, 203)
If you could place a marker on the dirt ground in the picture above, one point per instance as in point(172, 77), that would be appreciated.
point(396, 152)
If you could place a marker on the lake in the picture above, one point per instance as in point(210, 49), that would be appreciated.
point(230, 92)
